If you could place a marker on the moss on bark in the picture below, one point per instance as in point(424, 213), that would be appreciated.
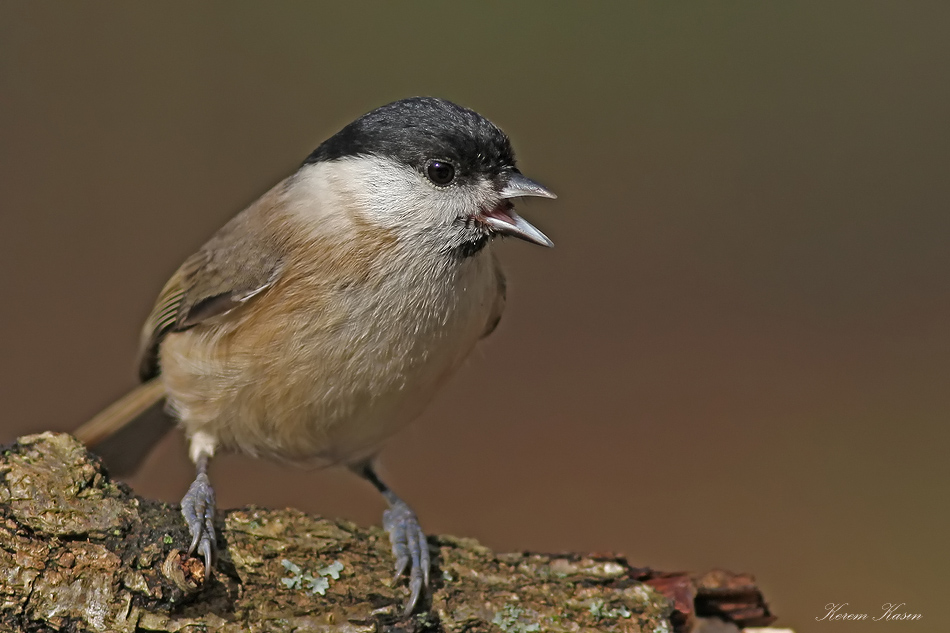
point(80, 552)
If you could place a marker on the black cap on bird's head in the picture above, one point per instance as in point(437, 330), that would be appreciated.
point(417, 130)
point(450, 145)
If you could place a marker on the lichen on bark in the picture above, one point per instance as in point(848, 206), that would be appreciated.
point(80, 552)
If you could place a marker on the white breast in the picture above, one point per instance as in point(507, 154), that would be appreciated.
point(349, 363)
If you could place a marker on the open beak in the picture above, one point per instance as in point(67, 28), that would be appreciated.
point(504, 220)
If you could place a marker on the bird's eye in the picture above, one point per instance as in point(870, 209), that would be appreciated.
point(440, 172)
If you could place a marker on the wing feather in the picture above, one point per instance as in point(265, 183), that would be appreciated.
point(239, 262)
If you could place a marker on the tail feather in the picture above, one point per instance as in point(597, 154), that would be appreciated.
point(125, 431)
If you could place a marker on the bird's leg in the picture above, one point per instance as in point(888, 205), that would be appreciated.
point(197, 507)
point(408, 540)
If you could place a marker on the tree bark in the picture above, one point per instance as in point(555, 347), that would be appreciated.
point(80, 552)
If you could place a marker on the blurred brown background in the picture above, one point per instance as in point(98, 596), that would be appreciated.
point(738, 354)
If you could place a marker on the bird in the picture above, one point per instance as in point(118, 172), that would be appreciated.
point(324, 317)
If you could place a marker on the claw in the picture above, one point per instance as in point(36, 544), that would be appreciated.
point(400, 569)
point(194, 544)
point(416, 578)
point(205, 550)
point(424, 558)
point(410, 548)
point(198, 509)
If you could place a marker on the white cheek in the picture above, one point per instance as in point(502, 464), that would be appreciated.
point(395, 196)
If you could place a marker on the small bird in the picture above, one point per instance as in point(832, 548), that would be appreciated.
point(323, 317)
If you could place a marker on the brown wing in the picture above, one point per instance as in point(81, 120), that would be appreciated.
point(240, 261)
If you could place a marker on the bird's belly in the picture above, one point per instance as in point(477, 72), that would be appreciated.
point(325, 386)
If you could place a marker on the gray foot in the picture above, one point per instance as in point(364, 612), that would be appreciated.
point(198, 509)
point(409, 547)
